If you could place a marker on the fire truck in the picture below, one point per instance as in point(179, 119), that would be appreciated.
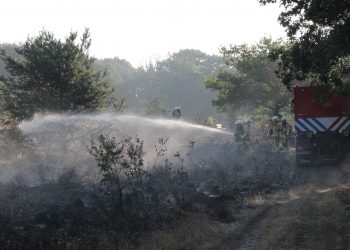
point(322, 127)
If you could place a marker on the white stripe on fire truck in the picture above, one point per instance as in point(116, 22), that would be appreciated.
point(327, 122)
point(313, 124)
point(298, 127)
point(309, 128)
point(316, 124)
point(319, 123)
point(302, 126)
point(345, 125)
point(323, 124)
point(336, 126)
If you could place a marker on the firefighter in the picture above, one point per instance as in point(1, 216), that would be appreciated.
point(176, 113)
point(247, 131)
point(274, 133)
point(239, 135)
point(247, 124)
point(285, 132)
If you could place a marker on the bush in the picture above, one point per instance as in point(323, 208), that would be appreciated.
point(121, 166)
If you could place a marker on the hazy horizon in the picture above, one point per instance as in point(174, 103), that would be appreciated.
point(140, 31)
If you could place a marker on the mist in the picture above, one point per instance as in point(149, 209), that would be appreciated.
point(56, 142)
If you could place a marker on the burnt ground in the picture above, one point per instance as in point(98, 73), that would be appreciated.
point(312, 214)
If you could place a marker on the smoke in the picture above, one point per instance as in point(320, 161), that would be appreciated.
point(56, 142)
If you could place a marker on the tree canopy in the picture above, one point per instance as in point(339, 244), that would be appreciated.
point(52, 75)
point(174, 81)
point(318, 48)
point(119, 71)
point(249, 79)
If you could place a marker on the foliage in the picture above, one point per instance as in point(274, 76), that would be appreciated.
point(177, 80)
point(249, 79)
point(120, 164)
point(70, 211)
point(52, 75)
point(160, 149)
point(155, 107)
point(318, 48)
point(229, 98)
point(120, 74)
point(117, 104)
point(10, 50)
point(180, 81)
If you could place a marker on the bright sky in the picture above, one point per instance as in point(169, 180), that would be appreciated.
point(141, 31)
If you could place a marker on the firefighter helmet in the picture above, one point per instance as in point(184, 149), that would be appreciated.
point(176, 112)
point(274, 118)
point(248, 121)
point(239, 122)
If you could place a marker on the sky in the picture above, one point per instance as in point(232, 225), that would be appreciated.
point(143, 31)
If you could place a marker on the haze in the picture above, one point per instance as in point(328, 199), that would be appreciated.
point(143, 31)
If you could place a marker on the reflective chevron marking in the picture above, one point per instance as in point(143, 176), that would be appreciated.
point(312, 125)
point(345, 126)
point(308, 126)
point(336, 126)
point(323, 124)
point(300, 126)
point(335, 123)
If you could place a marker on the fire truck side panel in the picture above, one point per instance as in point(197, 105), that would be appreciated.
point(322, 128)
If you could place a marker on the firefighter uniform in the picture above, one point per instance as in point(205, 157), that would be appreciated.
point(239, 136)
point(274, 133)
point(176, 113)
point(247, 132)
point(285, 132)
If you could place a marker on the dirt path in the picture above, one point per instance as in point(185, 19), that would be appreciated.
point(312, 214)
point(255, 233)
point(309, 216)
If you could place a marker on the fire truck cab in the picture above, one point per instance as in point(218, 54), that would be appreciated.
point(322, 128)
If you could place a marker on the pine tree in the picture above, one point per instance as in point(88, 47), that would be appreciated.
point(53, 75)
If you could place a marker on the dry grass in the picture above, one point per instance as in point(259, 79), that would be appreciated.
point(189, 234)
point(314, 221)
point(201, 232)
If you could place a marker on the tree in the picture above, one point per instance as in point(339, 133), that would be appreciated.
point(318, 49)
point(119, 71)
point(249, 79)
point(180, 80)
point(155, 107)
point(53, 75)
point(9, 49)
point(230, 89)
point(176, 80)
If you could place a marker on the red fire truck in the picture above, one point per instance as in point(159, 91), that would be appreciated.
point(322, 127)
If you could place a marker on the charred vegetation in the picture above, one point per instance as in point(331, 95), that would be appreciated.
point(121, 197)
